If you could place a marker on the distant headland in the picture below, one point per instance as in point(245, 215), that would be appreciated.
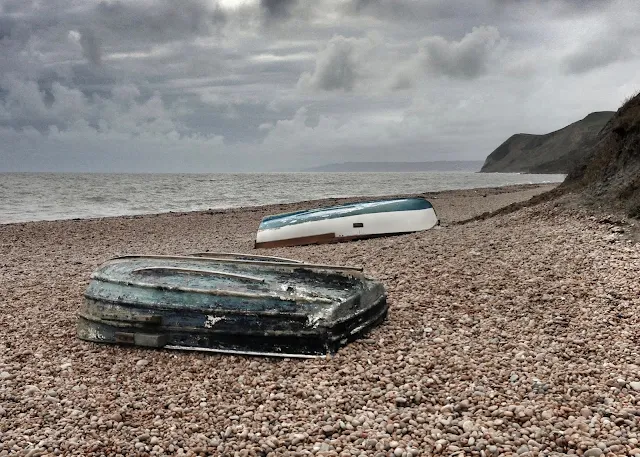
point(555, 152)
point(441, 165)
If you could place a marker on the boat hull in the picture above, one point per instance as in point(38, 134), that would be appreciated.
point(332, 307)
point(347, 222)
point(248, 336)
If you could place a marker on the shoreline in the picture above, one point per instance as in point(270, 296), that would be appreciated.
point(514, 335)
point(310, 203)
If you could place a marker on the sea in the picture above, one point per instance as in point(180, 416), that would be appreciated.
point(51, 196)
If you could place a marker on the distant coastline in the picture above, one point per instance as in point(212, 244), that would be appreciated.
point(399, 167)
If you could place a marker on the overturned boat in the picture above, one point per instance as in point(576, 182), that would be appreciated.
point(234, 303)
point(346, 222)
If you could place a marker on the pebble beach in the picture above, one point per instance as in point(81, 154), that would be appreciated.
point(516, 335)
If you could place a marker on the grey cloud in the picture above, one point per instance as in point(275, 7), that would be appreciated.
point(40, 104)
point(165, 20)
point(91, 79)
point(133, 74)
point(612, 38)
point(467, 58)
point(91, 47)
point(115, 23)
point(277, 9)
point(527, 21)
point(595, 55)
point(41, 41)
point(411, 10)
point(125, 112)
point(14, 30)
point(337, 65)
point(5, 27)
point(562, 7)
point(481, 10)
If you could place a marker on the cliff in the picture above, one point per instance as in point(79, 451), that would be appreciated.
point(609, 172)
point(555, 152)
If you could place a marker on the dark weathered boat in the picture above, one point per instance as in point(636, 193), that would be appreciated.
point(236, 303)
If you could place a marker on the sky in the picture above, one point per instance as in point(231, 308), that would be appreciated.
point(269, 85)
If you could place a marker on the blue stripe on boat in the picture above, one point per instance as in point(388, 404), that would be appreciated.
point(348, 209)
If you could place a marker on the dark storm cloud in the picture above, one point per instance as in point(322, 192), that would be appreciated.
point(13, 29)
point(65, 41)
point(6, 25)
point(277, 9)
point(408, 9)
point(165, 20)
point(91, 47)
point(168, 77)
point(91, 79)
point(108, 24)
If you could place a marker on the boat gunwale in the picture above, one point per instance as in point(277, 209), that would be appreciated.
point(343, 205)
point(286, 355)
point(214, 292)
point(195, 271)
point(211, 255)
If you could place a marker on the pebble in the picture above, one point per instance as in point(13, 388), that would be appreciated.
point(586, 412)
point(142, 362)
point(30, 390)
point(401, 400)
point(593, 452)
point(328, 429)
point(635, 385)
point(468, 426)
point(298, 438)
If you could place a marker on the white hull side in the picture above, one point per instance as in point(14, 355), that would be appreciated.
point(372, 224)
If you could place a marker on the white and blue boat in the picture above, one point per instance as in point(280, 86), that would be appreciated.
point(347, 222)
